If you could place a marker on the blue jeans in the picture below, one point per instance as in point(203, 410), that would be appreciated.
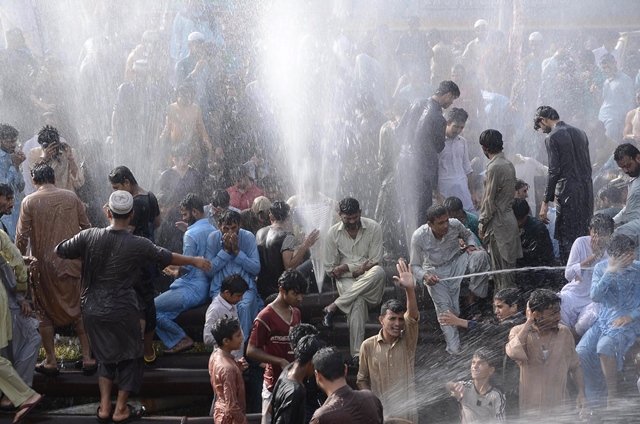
point(248, 309)
point(169, 305)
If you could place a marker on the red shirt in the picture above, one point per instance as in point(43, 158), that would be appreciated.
point(243, 200)
point(271, 334)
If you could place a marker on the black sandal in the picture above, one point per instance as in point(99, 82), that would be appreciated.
point(100, 419)
point(134, 414)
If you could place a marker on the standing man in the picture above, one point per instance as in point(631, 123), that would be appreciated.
point(387, 360)
point(627, 156)
point(454, 167)
point(191, 289)
point(353, 251)
point(569, 179)
point(617, 98)
point(269, 340)
point(10, 160)
point(113, 259)
point(436, 254)
point(146, 219)
point(498, 228)
point(48, 216)
point(343, 404)
point(428, 142)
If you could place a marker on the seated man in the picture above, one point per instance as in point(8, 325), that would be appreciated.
point(244, 191)
point(232, 250)
point(602, 349)
point(455, 210)
point(577, 311)
point(353, 251)
point(192, 288)
point(537, 249)
point(436, 254)
point(278, 250)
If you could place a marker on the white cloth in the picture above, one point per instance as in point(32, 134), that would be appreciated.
point(32, 143)
point(216, 310)
point(453, 168)
point(575, 294)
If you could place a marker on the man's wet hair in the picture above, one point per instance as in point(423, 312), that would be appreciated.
point(7, 132)
point(279, 210)
point(329, 362)
point(186, 89)
point(543, 299)
point(43, 174)
point(6, 190)
point(220, 199)
point(490, 356)
point(292, 279)
point(457, 114)
point(620, 244)
point(601, 224)
point(436, 211)
point(510, 296)
point(48, 135)
point(491, 140)
point(307, 347)
point(520, 208)
point(393, 305)
point(453, 204)
point(297, 332)
point(547, 112)
point(613, 192)
point(348, 206)
point(234, 284)
point(608, 58)
point(192, 201)
point(625, 149)
point(520, 184)
point(229, 217)
point(224, 328)
point(119, 174)
point(446, 87)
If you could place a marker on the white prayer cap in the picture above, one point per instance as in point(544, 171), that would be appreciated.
point(120, 202)
point(480, 22)
point(196, 36)
point(535, 36)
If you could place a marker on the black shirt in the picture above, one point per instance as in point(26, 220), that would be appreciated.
point(289, 400)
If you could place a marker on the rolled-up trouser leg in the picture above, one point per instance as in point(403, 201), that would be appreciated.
point(445, 296)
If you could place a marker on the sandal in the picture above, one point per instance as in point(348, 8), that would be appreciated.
point(100, 419)
point(25, 409)
point(48, 371)
point(134, 414)
point(149, 360)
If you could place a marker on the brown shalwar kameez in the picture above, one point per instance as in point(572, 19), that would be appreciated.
point(47, 217)
point(543, 383)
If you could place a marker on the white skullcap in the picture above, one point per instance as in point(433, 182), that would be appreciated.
point(260, 204)
point(196, 36)
point(535, 36)
point(480, 22)
point(120, 202)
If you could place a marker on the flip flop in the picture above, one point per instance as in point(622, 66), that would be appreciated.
point(134, 415)
point(26, 408)
point(149, 360)
point(100, 419)
point(48, 371)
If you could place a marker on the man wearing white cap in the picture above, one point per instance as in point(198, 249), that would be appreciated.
point(196, 52)
point(113, 259)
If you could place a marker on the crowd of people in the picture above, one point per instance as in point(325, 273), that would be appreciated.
point(484, 220)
